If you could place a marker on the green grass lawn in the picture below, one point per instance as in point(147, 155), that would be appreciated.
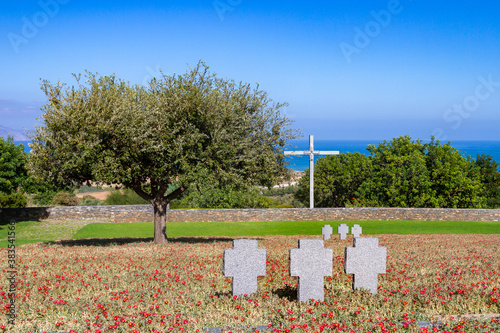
point(33, 232)
point(235, 229)
point(20, 227)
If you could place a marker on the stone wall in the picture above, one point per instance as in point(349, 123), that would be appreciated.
point(144, 213)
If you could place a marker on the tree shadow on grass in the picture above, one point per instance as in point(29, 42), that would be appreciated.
point(99, 241)
point(129, 240)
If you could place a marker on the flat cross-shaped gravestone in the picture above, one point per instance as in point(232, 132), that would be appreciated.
point(365, 260)
point(244, 262)
point(356, 230)
point(326, 231)
point(343, 230)
point(311, 262)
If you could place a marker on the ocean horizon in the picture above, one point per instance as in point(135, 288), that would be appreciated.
point(467, 147)
point(300, 163)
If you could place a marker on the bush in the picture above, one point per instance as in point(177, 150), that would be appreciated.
point(14, 200)
point(89, 200)
point(402, 173)
point(279, 191)
point(43, 198)
point(124, 197)
point(284, 206)
point(64, 199)
point(86, 189)
point(209, 195)
point(12, 166)
point(266, 202)
point(490, 177)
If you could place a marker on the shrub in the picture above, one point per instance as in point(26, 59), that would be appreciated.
point(89, 200)
point(490, 177)
point(14, 200)
point(284, 206)
point(93, 188)
point(12, 166)
point(280, 191)
point(266, 202)
point(401, 173)
point(43, 198)
point(124, 197)
point(64, 199)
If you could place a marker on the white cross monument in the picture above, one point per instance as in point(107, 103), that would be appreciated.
point(311, 152)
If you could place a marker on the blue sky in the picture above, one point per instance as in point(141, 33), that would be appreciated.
point(348, 69)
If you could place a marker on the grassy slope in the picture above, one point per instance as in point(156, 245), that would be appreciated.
point(233, 229)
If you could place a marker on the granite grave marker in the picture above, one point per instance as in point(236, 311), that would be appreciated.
point(343, 230)
point(365, 260)
point(327, 231)
point(311, 262)
point(356, 230)
point(244, 263)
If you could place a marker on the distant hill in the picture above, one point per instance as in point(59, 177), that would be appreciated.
point(17, 135)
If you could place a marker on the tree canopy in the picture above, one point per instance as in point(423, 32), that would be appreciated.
point(490, 176)
point(172, 132)
point(13, 174)
point(12, 166)
point(404, 173)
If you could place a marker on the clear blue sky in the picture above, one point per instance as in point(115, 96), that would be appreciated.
point(348, 69)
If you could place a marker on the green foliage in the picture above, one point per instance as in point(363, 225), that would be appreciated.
point(206, 195)
point(64, 199)
point(281, 196)
point(456, 181)
point(337, 180)
point(266, 202)
point(89, 200)
point(43, 197)
point(124, 197)
point(87, 188)
point(279, 191)
point(399, 173)
point(399, 176)
point(12, 166)
point(490, 177)
point(13, 200)
point(41, 190)
point(283, 206)
point(13, 174)
point(166, 133)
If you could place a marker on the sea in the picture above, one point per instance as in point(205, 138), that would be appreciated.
point(301, 163)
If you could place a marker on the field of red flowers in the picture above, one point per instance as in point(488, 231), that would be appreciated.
point(143, 287)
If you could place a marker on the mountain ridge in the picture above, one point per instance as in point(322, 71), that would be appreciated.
point(18, 135)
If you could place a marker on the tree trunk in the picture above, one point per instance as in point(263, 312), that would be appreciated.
point(160, 220)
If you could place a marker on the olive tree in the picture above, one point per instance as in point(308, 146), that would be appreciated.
point(159, 138)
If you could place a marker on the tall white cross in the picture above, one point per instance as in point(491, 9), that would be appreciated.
point(311, 152)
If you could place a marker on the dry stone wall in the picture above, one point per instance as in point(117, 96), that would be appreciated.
point(144, 213)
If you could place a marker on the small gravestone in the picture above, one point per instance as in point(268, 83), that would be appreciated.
point(343, 230)
point(356, 230)
point(326, 231)
point(311, 262)
point(365, 260)
point(244, 262)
